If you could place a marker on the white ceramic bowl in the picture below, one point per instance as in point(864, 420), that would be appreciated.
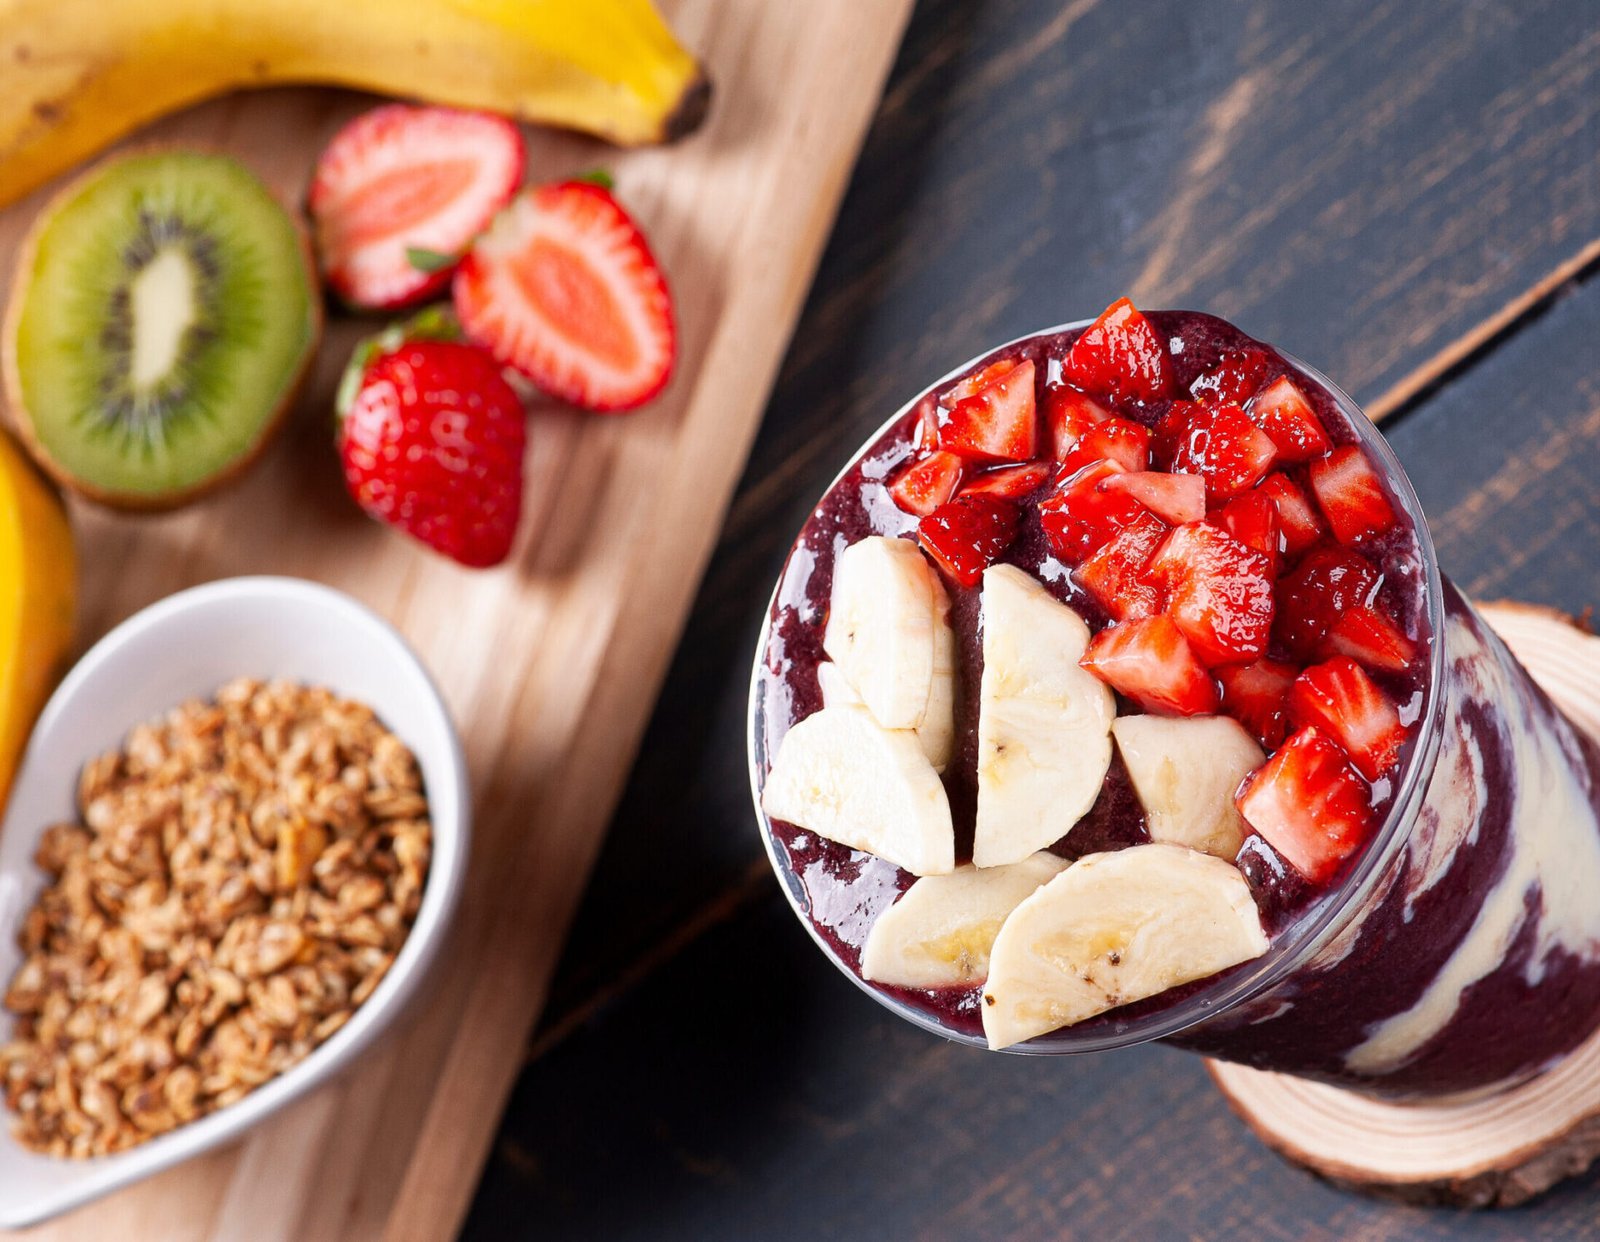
point(184, 647)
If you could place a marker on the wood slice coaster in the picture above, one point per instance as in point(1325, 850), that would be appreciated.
point(1492, 1151)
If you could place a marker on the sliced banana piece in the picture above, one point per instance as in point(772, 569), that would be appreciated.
point(881, 620)
point(937, 733)
point(1185, 771)
point(938, 934)
point(1044, 724)
point(1114, 928)
point(842, 775)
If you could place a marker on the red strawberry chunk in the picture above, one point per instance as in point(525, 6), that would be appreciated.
point(1115, 574)
point(1236, 378)
point(563, 287)
point(1069, 413)
point(997, 421)
point(1217, 442)
point(1256, 695)
point(1150, 662)
point(401, 183)
point(1217, 591)
point(1252, 519)
point(1116, 439)
point(926, 484)
point(966, 534)
point(1282, 411)
point(1309, 805)
point(1120, 356)
point(1369, 637)
point(1012, 482)
point(1298, 522)
point(1350, 495)
point(1339, 698)
point(1317, 592)
point(1078, 517)
point(1174, 498)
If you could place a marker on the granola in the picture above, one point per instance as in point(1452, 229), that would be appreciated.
point(243, 875)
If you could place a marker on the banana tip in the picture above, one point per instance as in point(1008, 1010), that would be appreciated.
point(692, 107)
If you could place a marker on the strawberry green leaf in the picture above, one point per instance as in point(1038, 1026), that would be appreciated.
point(598, 176)
point(425, 260)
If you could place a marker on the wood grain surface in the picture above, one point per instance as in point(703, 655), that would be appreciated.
point(550, 664)
point(1407, 195)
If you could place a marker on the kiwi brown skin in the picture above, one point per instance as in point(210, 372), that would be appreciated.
point(11, 375)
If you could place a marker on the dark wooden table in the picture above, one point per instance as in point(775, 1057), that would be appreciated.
point(1407, 195)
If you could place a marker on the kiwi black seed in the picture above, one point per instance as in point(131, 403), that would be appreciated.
point(163, 312)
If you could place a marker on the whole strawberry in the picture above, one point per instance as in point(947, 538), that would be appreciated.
point(431, 437)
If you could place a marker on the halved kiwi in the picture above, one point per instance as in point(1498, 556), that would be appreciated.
point(164, 311)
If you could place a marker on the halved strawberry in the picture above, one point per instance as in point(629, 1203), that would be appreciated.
point(1236, 377)
point(1252, 519)
point(1150, 661)
point(1340, 699)
point(1174, 498)
point(1350, 495)
point(1078, 517)
point(1216, 590)
point(1115, 574)
point(1120, 356)
point(399, 194)
point(1317, 592)
point(1256, 695)
point(996, 420)
point(1069, 413)
point(1217, 442)
point(1369, 637)
point(1309, 805)
point(1116, 439)
point(1298, 522)
point(926, 484)
point(1282, 411)
point(965, 535)
point(1012, 482)
point(563, 287)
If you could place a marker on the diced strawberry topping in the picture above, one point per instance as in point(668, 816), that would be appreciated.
point(1069, 413)
point(926, 484)
point(1115, 574)
point(1150, 661)
point(1317, 592)
point(1309, 805)
point(1339, 698)
point(1120, 356)
point(1078, 517)
point(1256, 695)
point(997, 420)
point(1217, 591)
point(1174, 498)
point(965, 535)
point(1012, 482)
point(1217, 442)
point(1298, 522)
point(1116, 439)
point(1236, 378)
point(1283, 412)
point(1252, 519)
point(1369, 637)
point(1350, 495)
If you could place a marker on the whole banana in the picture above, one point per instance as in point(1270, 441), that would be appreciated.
point(79, 74)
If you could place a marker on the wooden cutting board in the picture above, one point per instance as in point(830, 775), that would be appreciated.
point(550, 663)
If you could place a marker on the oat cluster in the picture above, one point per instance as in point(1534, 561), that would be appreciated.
point(243, 876)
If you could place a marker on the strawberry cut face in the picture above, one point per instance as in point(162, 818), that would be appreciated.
point(1069, 413)
point(1115, 575)
point(1257, 696)
point(1120, 357)
point(1298, 522)
point(1282, 411)
point(1116, 439)
point(1309, 805)
point(1174, 498)
point(924, 485)
point(1237, 376)
point(1217, 591)
point(1351, 496)
point(1319, 590)
point(1252, 519)
point(997, 420)
point(1011, 482)
point(1338, 698)
point(1079, 517)
point(1218, 443)
point(1150, 662)
point(966, 535)
point(1369, 637)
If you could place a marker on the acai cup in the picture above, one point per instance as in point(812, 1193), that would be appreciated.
point(1113, 693)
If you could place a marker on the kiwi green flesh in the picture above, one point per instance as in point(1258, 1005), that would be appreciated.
point(165, 318)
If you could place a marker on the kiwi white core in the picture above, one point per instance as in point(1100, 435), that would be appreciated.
point(162, 306)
